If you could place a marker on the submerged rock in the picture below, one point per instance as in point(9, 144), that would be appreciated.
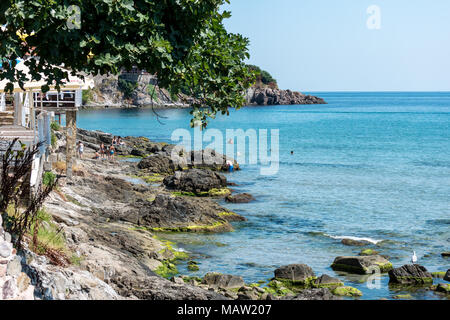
point(314, 294)
point(410, 274)
point(298, 273)
point(438, 275)
point(361, 264)
point(445, 254)
point(403, 297)
point(240, 198)
point(368, 252)
point(356, 243)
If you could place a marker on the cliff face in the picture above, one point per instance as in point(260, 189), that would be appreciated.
point(273, 96)
point(107, 93)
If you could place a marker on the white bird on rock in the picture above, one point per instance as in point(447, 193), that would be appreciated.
point(414, 258)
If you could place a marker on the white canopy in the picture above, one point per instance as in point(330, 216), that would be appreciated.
point(74, 83)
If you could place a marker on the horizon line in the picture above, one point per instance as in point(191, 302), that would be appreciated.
point(378, 91)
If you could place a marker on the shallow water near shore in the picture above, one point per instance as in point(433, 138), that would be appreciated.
point(374, 166)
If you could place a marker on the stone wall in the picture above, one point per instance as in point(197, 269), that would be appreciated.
point(14, 283)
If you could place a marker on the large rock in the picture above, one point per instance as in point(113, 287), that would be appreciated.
point(299, 273)
point(225, 281)
point(443, 288)
point(240, 198)
point(274, 96)
point(196, 181)
point(159, 163)
point(410, 274)
point(447, 275)
point(209, 159)
point(347, 291)
point(361, 264)
point(156, 288)
point(184, 214)
point(325, 281)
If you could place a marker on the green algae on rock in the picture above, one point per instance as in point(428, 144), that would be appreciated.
point(325, 281)
point(439, 274)
point(368, 252)
point(193, 266)
point(443, 288)
point(362, 264)
point(403, 297)
point(410, 275)
point(347, 291)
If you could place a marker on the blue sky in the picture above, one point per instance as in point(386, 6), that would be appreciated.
point(325, 45)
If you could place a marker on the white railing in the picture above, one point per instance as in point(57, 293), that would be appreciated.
point(55, 99)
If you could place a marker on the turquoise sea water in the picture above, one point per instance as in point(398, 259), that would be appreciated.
point(367, 165)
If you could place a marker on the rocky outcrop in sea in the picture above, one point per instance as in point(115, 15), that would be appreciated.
point(107, 93)
point(264, 96)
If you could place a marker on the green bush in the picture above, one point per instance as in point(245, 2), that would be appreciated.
point(55, 126)
point(87, 96)
point(48, 178)
point(127, 87)
point(151, 89)
point(54, 139)
point(262, 75)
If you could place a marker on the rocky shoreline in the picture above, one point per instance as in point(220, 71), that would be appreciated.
point(265, 96)
point(107, 94)
point(114, 216)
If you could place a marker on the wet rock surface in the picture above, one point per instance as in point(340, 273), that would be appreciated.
point(410, 274)
point(195, 181)
point(185, 213)
point(225, 281)
point(356, 243)
point(240, 198)
point(361, 264)
point(274, 96)
point(294, 272)
point(314, 294)
point(327, 281)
